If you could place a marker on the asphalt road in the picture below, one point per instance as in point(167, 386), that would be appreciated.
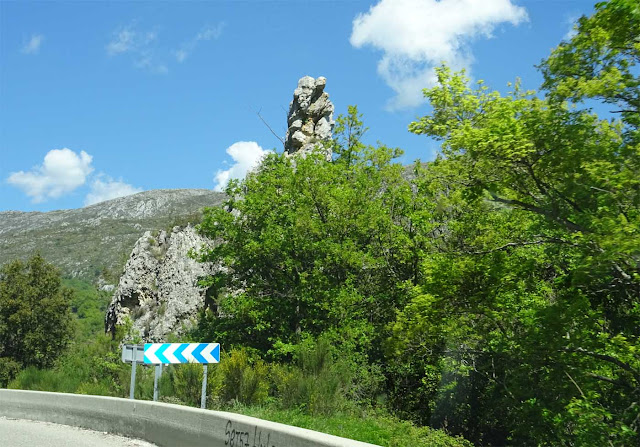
point(21, 433)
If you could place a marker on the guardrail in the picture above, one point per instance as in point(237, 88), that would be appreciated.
point(160, 423)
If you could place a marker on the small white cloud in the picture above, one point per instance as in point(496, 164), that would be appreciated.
point(207, 33)
point(105, 188)
point(61, 172)
point(128, 39)
point(210, 32)
point(181, 55)
point(33, 45)
point(246, 156)
point(417, 35)
point(139, 45)
point(122, 42)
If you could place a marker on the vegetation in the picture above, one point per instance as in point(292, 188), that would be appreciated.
point(491, 297)
point(495, 294)
point(35, 318)
point(89, 305)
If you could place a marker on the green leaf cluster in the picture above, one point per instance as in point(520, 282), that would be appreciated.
point(35, 317)
point(496, 288)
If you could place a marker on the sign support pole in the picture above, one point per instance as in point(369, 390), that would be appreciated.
point(155, 382)
point(203, 400)
point(133, 378)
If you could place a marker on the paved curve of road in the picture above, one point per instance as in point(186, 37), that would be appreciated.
point(21, 433)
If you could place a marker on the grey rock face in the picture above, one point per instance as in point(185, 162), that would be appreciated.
point(158, 289)
point(310, 117)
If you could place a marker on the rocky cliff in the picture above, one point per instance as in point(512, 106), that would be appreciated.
point(158, 290)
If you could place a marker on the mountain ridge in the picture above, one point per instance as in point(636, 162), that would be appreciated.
point(94, 242)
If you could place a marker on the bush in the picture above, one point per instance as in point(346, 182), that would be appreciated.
point(187, 382)
point(86, 369)
point(32, 378)
point(318, 385)
point(240, 378)
point(9, 369)
point(35, 314)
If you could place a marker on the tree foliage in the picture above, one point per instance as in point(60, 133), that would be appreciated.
point(311, 248)
point(530, 309)
point(496, 288)
point(35, 316)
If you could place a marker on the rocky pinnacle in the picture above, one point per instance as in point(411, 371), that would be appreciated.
point(310, 118)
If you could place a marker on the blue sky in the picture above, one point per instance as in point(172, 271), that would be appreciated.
point(99, 99)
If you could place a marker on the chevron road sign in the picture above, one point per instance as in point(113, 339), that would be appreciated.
point(157, 353)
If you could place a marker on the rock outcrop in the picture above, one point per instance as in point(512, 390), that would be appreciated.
point(310, 118)
point(158, 289)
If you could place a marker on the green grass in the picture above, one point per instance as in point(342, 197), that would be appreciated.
point(373, 428)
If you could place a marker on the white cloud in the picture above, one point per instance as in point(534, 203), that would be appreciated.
point(246, 156)
point(122, 42)
point(207, 33)
point(105, 188)
point(62, 171)
point(146, 52)
point(181, 55)
point(127, 39)
point(33, 45)
point(140, 45)
point(418, 35)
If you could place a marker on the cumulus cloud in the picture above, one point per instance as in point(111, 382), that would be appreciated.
point(207, 33)
point(246, 156)
point(33, 45)
point(105, 188)
point(62, 171)
point(417, 35)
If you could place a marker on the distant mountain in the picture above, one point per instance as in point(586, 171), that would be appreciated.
point(93, 243)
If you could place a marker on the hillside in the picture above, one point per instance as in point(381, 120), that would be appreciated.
point(94, 242)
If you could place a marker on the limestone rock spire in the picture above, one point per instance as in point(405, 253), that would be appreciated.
point(310, 118)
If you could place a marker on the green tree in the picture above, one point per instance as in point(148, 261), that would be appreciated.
point(35, 316)
point(528, 307)
point(601, 62)
point(311, 248)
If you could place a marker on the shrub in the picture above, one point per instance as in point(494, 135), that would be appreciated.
point(9, 369)
point(187, 383)
point(318, 385)
point(241, 378)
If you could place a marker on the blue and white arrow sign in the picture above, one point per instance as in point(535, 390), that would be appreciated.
point(156, 353)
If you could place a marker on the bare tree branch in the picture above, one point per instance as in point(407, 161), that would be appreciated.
point(269, 127)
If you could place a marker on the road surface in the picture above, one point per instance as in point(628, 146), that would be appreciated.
point(21, 433)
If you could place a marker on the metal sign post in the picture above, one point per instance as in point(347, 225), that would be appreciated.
point(155, 382)
point(203, 399)
point(132, 354)
point(205, 353)
point(132, 386)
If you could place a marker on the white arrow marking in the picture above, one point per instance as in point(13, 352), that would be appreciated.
point(168, 353)
point(207, 353)
point(151, 353)
point(187, 353)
